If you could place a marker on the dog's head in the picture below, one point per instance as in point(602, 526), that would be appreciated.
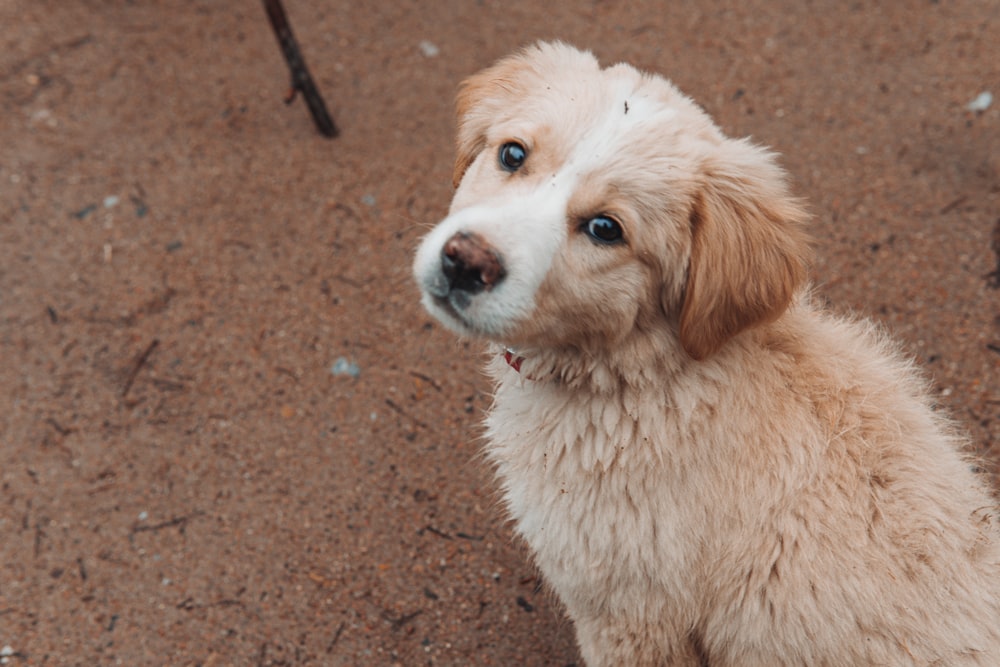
point(592, 203)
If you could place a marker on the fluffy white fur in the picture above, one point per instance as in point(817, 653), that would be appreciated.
point(709, 469)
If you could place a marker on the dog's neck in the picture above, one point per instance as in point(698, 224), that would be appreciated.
point(598, 370)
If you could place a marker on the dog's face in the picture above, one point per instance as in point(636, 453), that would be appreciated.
point(593, 202)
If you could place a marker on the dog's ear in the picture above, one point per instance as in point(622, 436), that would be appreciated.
point(749, 250)
point(482, 100)
point(472, 126)
point(494, 94)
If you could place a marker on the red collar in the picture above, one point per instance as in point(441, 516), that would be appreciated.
point(513, 359)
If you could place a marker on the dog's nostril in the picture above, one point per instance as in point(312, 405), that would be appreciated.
point(470, 264)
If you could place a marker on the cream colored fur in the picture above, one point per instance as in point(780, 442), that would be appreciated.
point(709, 469)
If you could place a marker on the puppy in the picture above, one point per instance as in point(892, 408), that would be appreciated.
point(708, 469)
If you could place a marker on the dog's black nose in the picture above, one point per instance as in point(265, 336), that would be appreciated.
point(470, 264)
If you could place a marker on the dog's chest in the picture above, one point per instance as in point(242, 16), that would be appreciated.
point(585, 480)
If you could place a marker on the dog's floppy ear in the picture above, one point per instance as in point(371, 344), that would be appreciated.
point(471, 129)
point(748, 253)
point(494, 94)
point(482, 99)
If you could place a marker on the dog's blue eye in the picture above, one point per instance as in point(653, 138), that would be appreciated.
point(603, 229)
point(512, 156)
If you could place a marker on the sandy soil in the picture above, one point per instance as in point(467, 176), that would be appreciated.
point(185, 263)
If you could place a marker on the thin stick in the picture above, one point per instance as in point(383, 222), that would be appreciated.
point(301, 80)
point(137, 366)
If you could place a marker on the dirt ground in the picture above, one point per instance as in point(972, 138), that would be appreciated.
point(231, 436)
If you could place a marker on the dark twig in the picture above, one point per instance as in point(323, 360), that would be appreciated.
point(301, 80)
point(434, 531)
point(59, 428)
point(39, 535)
point(188, 604)
point(426, 378)
point(137, 366)
point(524, 604)
point(399, 409)
point(952, 205)
point(399, 623)
point(180, 521)
point(336, 637)
point(993, 278)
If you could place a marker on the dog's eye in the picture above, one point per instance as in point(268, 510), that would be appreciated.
point(603, 229)
point(512, 156)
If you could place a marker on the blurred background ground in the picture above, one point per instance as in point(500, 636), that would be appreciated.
point(230, 435)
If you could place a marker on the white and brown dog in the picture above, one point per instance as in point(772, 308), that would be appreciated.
point(709, 469)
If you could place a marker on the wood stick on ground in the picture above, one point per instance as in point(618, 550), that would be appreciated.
point(137, 366)
point(301, 80)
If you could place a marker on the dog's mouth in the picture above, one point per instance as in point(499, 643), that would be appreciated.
point(452, 309)
point(453, 303)
point(441, 293)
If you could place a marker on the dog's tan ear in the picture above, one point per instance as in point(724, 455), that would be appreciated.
point(749, 250)
point(471, 129)
point(492, 95)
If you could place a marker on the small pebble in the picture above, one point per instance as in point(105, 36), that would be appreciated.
point(85, 211)
point(343, 366)
point(982, 102)
point(429, 49)
point(44, 116)
point(111, 201)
